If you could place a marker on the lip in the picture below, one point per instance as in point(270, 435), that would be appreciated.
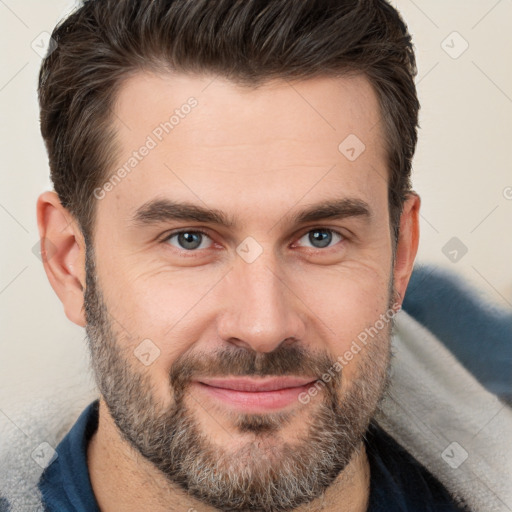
point(255, 394)
point(257, 384)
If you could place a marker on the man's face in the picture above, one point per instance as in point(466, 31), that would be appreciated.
point(206, 345)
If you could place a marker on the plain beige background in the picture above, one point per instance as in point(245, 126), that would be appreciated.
point(462, 170)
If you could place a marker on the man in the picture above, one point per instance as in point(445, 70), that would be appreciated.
point(233, 212)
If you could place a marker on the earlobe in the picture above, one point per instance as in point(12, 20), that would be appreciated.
point(408, 241)
point(63, 254)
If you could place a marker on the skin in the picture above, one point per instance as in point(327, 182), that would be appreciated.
point(260, 156)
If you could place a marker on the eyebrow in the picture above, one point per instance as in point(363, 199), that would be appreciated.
point(335, 209)
point(165, 210)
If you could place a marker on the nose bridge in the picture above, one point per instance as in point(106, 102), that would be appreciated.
point(261, 312)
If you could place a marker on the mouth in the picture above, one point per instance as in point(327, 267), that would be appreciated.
point(255, 394)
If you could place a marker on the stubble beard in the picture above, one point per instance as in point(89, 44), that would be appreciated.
point(267, 473)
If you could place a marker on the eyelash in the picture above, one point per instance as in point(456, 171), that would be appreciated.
point(175, 233)
point(202, 232)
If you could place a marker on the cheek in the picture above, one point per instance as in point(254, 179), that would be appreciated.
point(163, 306)
point(346, 302)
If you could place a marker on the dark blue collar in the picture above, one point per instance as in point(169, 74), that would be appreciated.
point(65, 484)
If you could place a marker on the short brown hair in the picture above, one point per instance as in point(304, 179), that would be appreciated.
point(247, 41)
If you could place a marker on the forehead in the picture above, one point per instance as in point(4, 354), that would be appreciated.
point(205, 139)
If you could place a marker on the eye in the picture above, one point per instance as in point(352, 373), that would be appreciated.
point(188, 240)
point(321, 237)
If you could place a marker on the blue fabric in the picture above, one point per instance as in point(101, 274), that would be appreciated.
point(65, 483)
point(398, 482)
point(4, 505)
point(477, 333)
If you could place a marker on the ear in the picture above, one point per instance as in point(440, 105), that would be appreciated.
point(63, 254)
point(407, 246)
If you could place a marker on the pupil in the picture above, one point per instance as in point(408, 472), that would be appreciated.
point(321, 237)
point(189, 240)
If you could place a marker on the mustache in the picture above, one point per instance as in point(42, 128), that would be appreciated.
point(283, 361)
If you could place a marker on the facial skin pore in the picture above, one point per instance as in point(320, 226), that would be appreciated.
point(260, 296)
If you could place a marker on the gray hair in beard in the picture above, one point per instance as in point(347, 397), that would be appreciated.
point(258, 476)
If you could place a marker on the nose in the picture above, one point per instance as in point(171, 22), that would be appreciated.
point(261, 310)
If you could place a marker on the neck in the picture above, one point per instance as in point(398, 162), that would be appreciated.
point(124, 480)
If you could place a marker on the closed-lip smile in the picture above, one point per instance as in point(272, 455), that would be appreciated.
point(255, 394)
